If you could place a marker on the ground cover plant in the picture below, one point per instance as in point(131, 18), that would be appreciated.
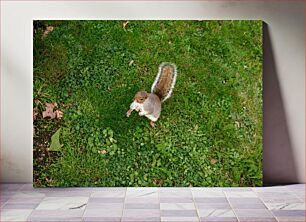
point(86, 74)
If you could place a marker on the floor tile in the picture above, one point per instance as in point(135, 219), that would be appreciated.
point(253, 213)
point(237, 189)
point(301, 187)
point(213, 205)
point(275, 189)
point(22, 201)
point(142, 192)
point(246, 203)
point(115, 206)
point(273, 197)
point(14, 215)
point(10, 187)
point(291, 219)
point(62, 203)
point(218, 219)
point(110, 194)
point(68, 193)
point(253, 219)
point(20, 206)
point(144, 219)
point(63, 189)
point(142, 200)
point(141, 213)
point(300, 195)
point(178, 219)
point(27, 187)
point(177, 192)
point(103, 213)
point(30, 200)
point(240, 194)
point(177, 206)
point(110, 189)
point(101, 219)
point(216, 213)
point(216, 189)
point(248, 206)
point(54, 219)
point(289, 213)
point(207, 193)
point(178, 213)
point(3, 200)
point(246, 200)
point(176, 200)
point(105, 200)
point(285, 206)
point(56, 213)
point(141, 206)
point(210, 200)
point(25, 194)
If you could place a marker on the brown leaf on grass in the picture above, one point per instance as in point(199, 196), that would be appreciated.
point(213, 161)
point(102, 151)
point(157, 182)
point(35, 113)
point(237, 124)
point(124, 24)
point(50, 113)
point(47, 31)
point(59, 114)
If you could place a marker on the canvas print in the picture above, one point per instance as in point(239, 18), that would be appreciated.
point(147, 103)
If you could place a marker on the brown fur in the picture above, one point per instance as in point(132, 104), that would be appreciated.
point(141, 96)
point(164, 83)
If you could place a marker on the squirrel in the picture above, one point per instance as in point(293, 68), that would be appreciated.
point(149, 104)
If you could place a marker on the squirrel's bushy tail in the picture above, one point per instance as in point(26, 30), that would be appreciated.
point(164, 81)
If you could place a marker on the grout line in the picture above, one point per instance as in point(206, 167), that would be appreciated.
point(267, 207)
point(230, 205)
point(297, 196)
point(5, 202)
point(197, 210)
point(91, 191)
point(123, 207)
point(32, 210)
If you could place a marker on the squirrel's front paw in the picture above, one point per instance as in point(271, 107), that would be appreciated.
point(141, 113)
point(128, 114)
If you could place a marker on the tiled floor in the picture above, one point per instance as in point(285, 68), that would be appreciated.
point(20, 202)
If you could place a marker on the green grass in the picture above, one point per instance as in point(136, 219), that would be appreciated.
point(209, 132)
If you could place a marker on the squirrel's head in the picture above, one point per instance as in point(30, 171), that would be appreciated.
point(141, 96)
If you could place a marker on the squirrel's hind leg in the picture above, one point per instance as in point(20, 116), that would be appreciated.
point(152, 123)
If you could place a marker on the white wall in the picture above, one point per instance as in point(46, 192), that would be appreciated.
point(285, 21)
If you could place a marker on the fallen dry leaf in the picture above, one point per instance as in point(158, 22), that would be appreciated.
point(47, 31)
point(35, 113)
point(102, 151)
point(237, 124)
point(157, 182)
point(124, 24)
point(50, 111)
point(59, 114)
point(213, 161)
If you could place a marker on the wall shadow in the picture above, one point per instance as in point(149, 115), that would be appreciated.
point(278, 160)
